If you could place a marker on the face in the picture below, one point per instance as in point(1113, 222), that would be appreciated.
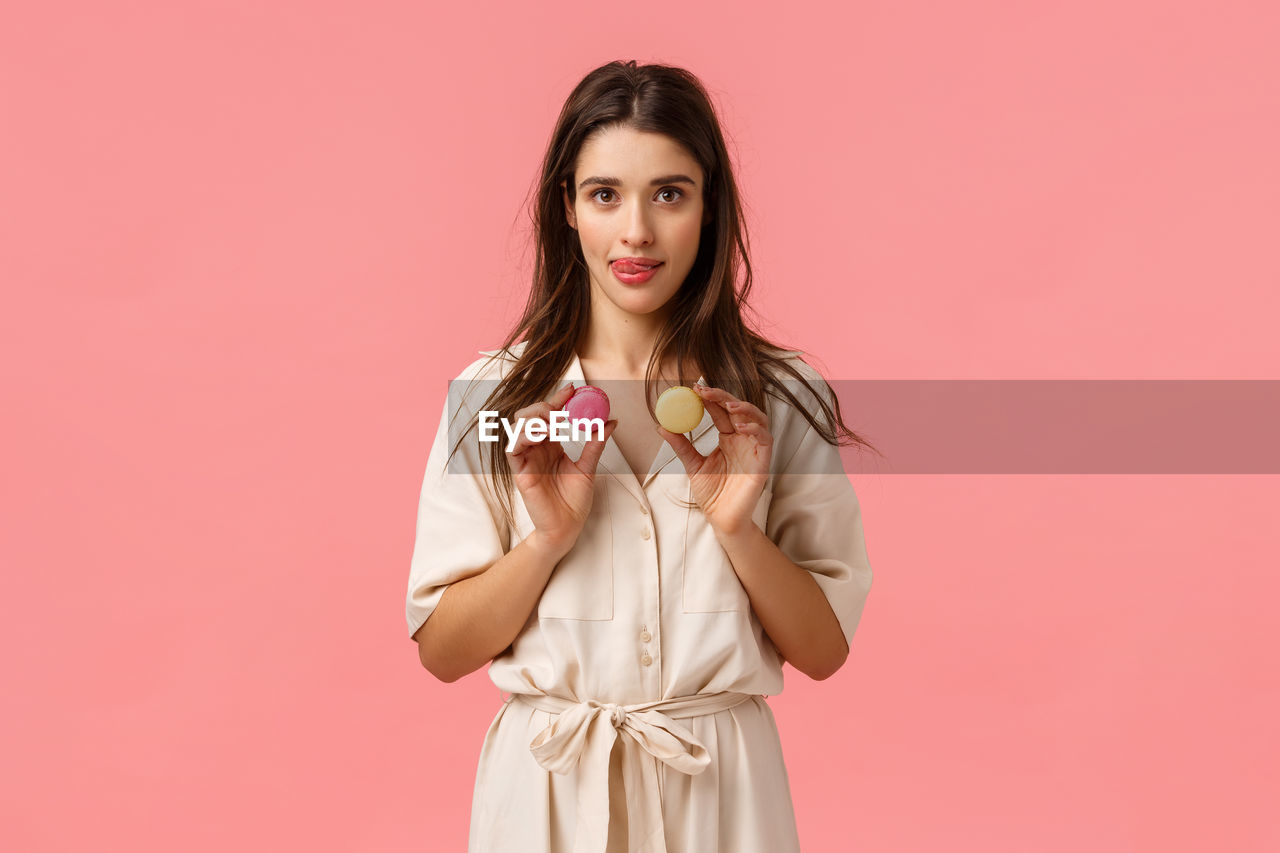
point(639, 195)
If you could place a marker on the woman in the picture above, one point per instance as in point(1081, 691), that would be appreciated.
point(638, 601)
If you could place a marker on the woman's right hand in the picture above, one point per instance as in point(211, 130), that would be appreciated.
point(557, 491)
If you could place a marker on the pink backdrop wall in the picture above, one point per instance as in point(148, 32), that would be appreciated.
point(244, 245)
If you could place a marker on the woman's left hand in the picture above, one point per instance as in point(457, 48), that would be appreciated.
point(728, 483)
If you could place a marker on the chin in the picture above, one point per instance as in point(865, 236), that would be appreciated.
point(642, 306)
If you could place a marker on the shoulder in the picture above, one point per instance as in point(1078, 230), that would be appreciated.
point(792, 370)
point(800, 362)
point(801, 397)
point(797, 397)
point(493, 364)
point(471, 389)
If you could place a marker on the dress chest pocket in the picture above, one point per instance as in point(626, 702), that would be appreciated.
point(710, 583)
point(581, 584)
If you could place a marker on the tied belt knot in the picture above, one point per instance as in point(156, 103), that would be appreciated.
point(617, 714)
point(582, 736)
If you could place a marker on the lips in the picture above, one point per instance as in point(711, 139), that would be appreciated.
point(631, 267)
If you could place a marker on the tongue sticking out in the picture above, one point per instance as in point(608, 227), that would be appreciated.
point(629, 268)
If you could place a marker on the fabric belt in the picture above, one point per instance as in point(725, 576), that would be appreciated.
point(582, 737)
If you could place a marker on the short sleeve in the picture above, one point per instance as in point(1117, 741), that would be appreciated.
point(815, 519)
point(460, 532)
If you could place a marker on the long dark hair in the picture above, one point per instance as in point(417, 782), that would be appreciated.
point(706, 327)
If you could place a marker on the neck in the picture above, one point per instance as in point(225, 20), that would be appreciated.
point(617, 343)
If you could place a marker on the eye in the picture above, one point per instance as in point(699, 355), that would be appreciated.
point(677, 193)
point(601, 190)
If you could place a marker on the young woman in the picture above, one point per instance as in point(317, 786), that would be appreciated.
point(637, 594)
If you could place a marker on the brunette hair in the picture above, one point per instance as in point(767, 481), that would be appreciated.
point(706, 327)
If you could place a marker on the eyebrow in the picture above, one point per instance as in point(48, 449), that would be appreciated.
point(614, 182)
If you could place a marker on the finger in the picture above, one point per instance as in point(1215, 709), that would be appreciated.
point(718, 395)
point(731, 403)
point(685, 451)
point(757, 431)
point(591, 451)
point(523, 442)
point(517, 452)
point(719, 415)
point(557, 400)
point(535, 411)
point(742, 410)
point(525, 461)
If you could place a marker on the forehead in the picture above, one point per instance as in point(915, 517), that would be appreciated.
point(634, 155)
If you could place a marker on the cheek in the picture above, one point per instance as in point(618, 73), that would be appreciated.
point(593, 236)
point(688, 234)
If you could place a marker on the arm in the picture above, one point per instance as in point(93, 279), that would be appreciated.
point(788, 602)
point(469, 597)
point(806, 575)
point(480, 616)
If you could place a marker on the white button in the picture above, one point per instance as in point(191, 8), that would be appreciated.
point(645, 636)
point(644, 509)
point(646, 660)
point(644, 534)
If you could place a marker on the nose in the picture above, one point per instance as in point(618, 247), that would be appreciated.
point(637, 231)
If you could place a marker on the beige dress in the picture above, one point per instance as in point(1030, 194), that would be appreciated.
point(636, 720)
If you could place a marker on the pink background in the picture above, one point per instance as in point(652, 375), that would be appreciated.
point(243, 246)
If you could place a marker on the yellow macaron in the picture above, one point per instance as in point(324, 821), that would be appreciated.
point(678, 409)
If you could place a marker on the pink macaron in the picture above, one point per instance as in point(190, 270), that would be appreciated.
point(588, 402)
